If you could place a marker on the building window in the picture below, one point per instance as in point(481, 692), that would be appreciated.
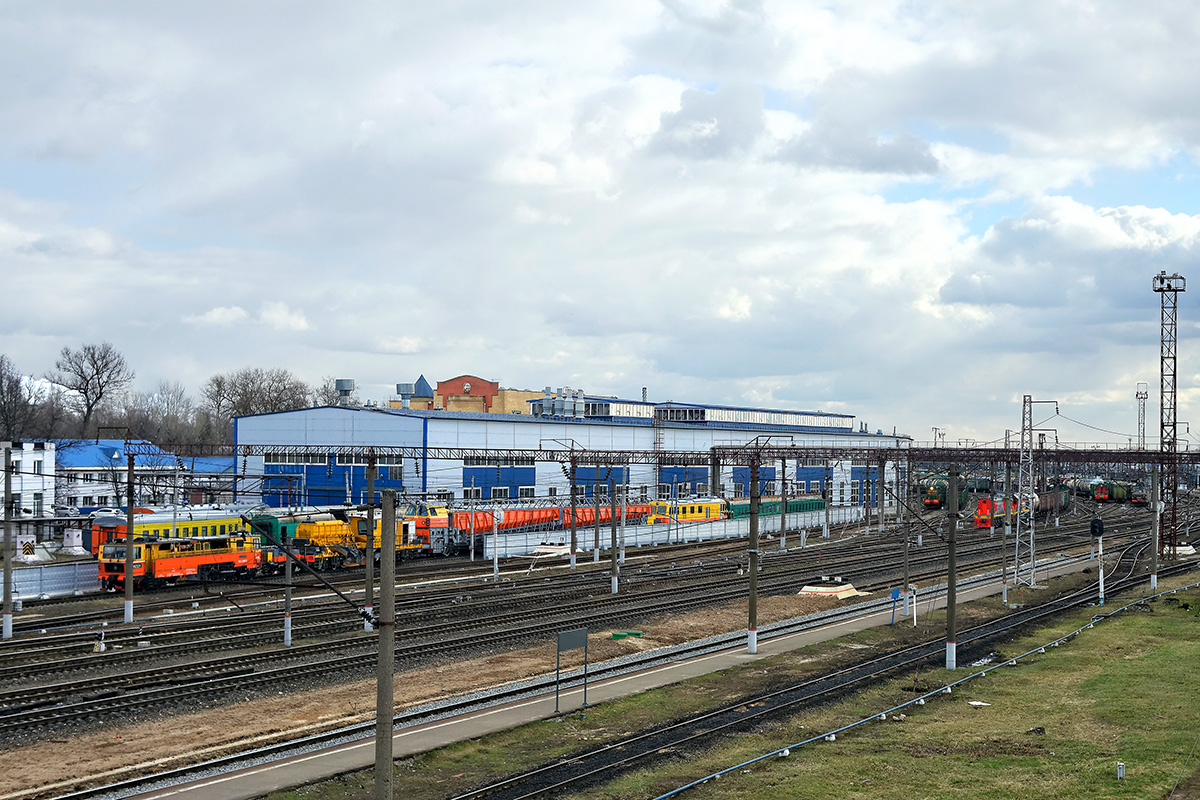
point(644, 493)
point(37, 467)
point(550, 492)
point(444, 496)
point(472, 493)
point(524, 491)
point(770, 489)
point(499, 492)
point(294, 458)
point(701, 490)
point(853, 492)
point(37, 501)
point(664, 491)
point(739, 490)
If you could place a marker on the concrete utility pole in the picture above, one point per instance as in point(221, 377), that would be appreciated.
point(596, 501)
point(369, 602)
point(8, 542)
point(385, 703)
point(752, 626)
point(496, 545)
point(624, 509)
point(471, 505)
point(1008, 515)
point(880, 487)
point(828, 496)
point(783, 501)
point(952, 571)
point(907, 528)
point(287, 586)
point(129, 544)
point(865, 497)
point(574, 529)
point(612, 498)
point(1156, 511)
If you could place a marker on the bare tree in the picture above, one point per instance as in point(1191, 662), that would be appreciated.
point(253, 391)
point(18, 403)
point(92, 373)
point(326, 394)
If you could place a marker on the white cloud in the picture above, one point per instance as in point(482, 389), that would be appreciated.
point(281, 318)
point(855, 186)
point(406, 345)
point(221, 315)
point(735, 307)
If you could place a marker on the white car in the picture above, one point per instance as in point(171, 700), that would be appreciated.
point(66, 511)
point(106, 512)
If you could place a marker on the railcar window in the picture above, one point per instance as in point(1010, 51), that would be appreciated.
point(111, 551)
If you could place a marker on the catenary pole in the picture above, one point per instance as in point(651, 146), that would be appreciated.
point(828, 496)
point(612, 497)
point(384, 682)
point(1156, 511)
point(369, 601)
point(8, 542)
point(471, 506)
point(574, 524)
point(752, 625)
point(286, 541)
point(952, 571)
point(783, 501)
point(624, 508)
point(1008, 512)
point(596, 502)
point(129, 542)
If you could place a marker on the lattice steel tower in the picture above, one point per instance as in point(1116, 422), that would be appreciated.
point(1169, 287)
point(1023, 546)
point(1142, 395)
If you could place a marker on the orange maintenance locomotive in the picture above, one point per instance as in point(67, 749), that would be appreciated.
point(162, 562)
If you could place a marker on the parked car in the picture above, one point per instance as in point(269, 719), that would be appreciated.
point(66, 511)
point(106, 512)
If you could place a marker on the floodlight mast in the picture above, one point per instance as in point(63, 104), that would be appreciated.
point(1168, 286)
point(1143, 393)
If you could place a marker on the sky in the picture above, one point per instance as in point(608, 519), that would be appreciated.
point(915, 213)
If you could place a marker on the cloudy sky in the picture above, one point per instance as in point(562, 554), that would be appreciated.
point(911, 212)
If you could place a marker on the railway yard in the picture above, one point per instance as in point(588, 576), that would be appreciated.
point(203, 675)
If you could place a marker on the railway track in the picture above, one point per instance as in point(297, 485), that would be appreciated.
point(602, 764)
point(416, 716)
point(98, 696)
point(314, 618)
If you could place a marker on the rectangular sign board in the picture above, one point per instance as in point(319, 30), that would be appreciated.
point(571, 640)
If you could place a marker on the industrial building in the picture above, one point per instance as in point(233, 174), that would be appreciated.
point(556, 420)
